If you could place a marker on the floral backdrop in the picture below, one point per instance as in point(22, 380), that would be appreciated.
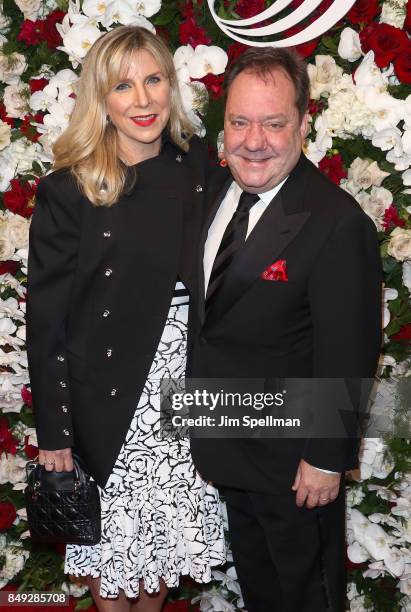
point(360, 136)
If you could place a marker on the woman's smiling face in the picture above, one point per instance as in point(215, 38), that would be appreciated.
point(139, 107)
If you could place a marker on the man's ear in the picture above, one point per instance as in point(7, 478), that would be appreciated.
point(304, 126)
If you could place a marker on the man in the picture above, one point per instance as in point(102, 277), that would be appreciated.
point(290, 288)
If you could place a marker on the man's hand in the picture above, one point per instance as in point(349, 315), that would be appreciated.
point(313, 487)
point(58, 460)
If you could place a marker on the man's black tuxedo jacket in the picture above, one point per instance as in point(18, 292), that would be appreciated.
point(100, 287)
point(325, 321)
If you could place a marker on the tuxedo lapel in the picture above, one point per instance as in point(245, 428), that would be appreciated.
point(280, 223)
point(272, 234)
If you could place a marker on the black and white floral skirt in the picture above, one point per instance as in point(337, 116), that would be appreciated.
point(160, 519)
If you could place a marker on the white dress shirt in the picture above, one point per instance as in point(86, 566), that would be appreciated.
point(224, 215)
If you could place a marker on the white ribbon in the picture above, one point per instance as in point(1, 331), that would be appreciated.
point(325, 22)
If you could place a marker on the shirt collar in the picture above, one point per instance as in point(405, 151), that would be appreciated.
point(267, 196)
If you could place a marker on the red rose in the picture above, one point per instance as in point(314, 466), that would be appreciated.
point(249, 8)
point(30, 450)
point(214, 85)
point(402, 66)
point(363, 11)
point(9, 267)
point(234, 51)
point(386, 41)
point(28, 129)
point(4, 116)
point(20, 198)
point(391, 218)
point(333, 167)
point(7, 515)
point(305, 49)
point(8, 444)
point(191, 34)
point(37, 84)
point(31, 32)
point(50, 34)
point(404, 335)
point(315, 106)
point(26, 396)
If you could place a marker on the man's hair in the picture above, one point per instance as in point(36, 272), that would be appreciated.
point(262, 61)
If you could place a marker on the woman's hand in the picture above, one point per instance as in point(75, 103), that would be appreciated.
point(59, 460)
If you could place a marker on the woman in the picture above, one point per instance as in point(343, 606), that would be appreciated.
point(113, 242)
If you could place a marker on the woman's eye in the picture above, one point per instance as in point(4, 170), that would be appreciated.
point(121, 86)
point(153, 79)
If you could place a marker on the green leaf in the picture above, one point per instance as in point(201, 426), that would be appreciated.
point(165, 16)
point(84, 603)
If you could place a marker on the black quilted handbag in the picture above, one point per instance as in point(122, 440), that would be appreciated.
point(62, 507)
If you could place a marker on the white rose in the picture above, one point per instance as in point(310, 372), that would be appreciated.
point(74, 589)
point(16, 100)
point(405, 588)
point(18, 228)
point(6, 171)
point(5, 131)
point(6, 244)
point(11, 67)
point(362, 174)
point(29, 8)
point(20, 155)
point(12, 469)
point(393, 14)
point(323, 75)
point(8, 280)
point(349, 47)
point(14, 560)
point(375, 204)
point(406, 274)
point(400, 244)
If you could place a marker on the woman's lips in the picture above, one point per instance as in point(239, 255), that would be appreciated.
point(144, 120)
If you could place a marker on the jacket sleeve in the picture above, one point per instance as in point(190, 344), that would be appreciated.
point(53, 251)
point(345, 301)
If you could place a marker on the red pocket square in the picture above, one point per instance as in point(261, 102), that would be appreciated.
point(276, 272)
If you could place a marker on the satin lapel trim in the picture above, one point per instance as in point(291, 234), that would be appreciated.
point(203, 237)
point(269, 238)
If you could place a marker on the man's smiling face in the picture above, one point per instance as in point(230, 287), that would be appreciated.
point(263, 132)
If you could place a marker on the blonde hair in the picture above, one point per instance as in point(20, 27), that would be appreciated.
point(89, 145)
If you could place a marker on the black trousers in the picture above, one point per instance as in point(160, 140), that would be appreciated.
point(288, 559)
